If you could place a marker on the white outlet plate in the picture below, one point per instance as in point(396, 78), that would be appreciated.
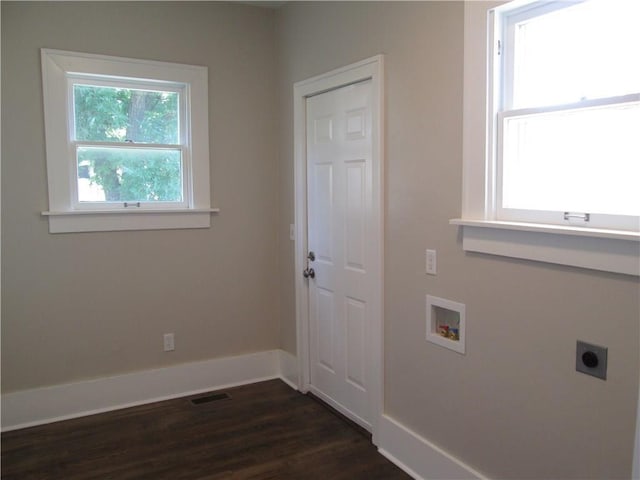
point(431, 266)
point(169, 342)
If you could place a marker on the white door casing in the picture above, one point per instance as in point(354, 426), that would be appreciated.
point(353, 299)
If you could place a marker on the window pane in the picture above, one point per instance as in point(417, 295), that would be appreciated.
point(585, 160)
point(111, 174)
point(109, 114)
point(586, 51)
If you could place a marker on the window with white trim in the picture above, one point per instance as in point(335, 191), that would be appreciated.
point(127, 143)
point(559, 81)
point(566, 113)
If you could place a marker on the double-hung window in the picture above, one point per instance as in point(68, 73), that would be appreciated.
point(551, 140)
point(127, 143)
point(566, 112)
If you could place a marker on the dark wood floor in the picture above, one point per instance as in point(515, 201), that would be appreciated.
point(264, 431)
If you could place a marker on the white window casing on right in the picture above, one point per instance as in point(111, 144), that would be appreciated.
point(551, 150)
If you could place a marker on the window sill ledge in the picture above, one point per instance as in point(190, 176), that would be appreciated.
point(555, 229)
point(118, 220)
point(131, 211)
point(597, 249)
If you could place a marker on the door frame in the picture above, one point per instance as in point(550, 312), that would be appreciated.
point(369, 69)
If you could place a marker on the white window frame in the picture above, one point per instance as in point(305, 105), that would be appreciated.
point(594, 248)
point(59, 70)
point(182, 145)
point(501, 88)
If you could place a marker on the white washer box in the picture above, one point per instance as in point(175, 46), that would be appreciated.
point(445, 313)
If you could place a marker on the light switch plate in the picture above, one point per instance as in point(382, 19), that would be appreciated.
point(169, 342)
point(431, 266)
point(586, 353)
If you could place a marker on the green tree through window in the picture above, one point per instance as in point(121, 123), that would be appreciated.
point(142, 118)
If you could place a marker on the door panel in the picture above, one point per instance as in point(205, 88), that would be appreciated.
point(355, 320)
point(354, 215)
point(325, 329)
point(339, 187)
point(323, 188)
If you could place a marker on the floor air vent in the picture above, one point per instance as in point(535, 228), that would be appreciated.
point(213, 397)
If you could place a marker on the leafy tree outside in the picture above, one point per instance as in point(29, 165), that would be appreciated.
point(123, 115)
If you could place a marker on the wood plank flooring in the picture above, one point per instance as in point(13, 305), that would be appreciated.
point(264, 431)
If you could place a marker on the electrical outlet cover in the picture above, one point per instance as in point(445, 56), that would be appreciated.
point(587, 355)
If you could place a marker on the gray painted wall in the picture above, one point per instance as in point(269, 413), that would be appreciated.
point(513, 406)
point(79, 306)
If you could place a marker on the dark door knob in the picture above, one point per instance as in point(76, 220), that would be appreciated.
point(309, 272)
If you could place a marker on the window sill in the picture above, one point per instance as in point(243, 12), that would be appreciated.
point(117, 220)
point(597, 249)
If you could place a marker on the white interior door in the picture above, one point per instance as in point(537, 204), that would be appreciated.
point(340, 222)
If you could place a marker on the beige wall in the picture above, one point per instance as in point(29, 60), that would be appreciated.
point(513, 406)
point(79, 306)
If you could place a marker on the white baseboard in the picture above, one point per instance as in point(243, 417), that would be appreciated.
point(28, 408)
point(419, 457)
point(289, 369)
